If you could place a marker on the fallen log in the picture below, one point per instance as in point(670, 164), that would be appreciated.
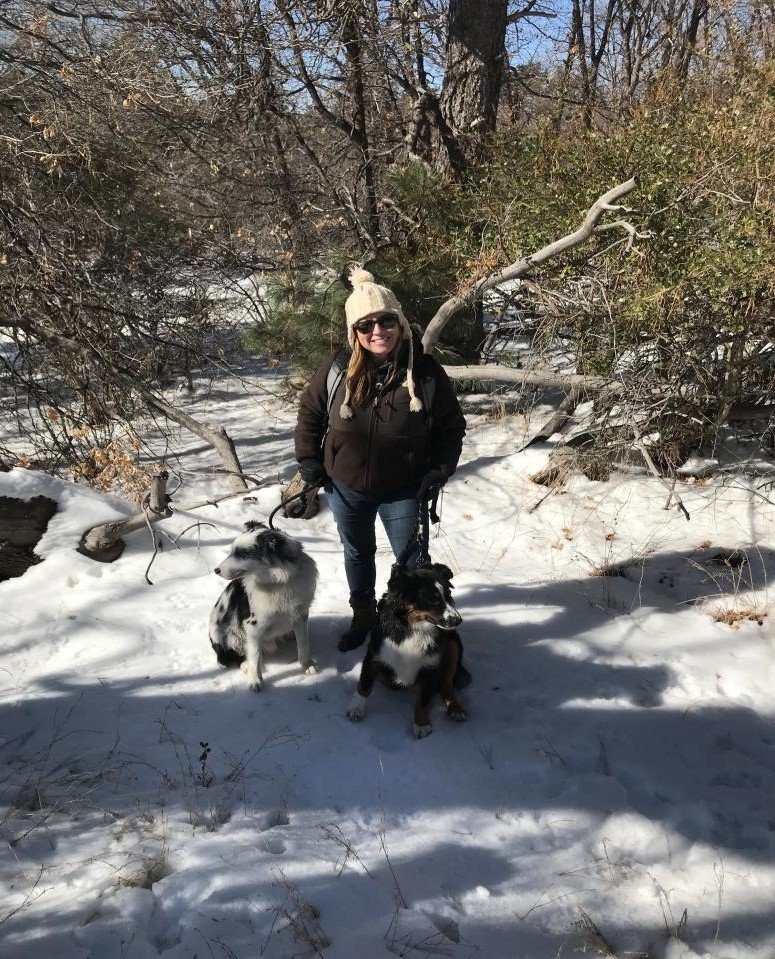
point(548, 378)
point(105, 542)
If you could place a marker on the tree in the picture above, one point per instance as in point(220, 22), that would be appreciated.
point(473, 75)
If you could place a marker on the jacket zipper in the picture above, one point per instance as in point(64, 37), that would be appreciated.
point(372, 432)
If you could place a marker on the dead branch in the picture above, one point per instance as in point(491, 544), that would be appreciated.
point(105, 542)
point(556, 420)
point(605, 203)
point(218, 438)
point(507, 374)
point(655, 472)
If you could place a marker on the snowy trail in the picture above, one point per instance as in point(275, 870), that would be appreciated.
point(618, 764)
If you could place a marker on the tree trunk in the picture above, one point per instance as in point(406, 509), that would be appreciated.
point(476, 31)
point(351, 40)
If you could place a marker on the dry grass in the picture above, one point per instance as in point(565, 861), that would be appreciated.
point(145, 872)
point(612, 569)
point(734, 616)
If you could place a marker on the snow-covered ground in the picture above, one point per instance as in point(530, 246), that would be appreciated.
point(612, 788)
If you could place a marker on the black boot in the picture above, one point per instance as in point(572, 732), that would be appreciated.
point(364, 617)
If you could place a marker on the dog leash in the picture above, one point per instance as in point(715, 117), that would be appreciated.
point(426, 514)
point(303, 494)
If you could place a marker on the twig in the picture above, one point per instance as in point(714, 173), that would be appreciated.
point(652, 468)
point(199, 524)
point(29, 898)
point(155, 542)
point(342, 840)
point(594, 937)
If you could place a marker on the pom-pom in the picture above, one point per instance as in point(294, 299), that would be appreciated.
point(415, 404)
point(345, 411)
point(359, 275)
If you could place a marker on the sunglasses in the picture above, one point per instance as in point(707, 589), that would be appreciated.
point(386, 322)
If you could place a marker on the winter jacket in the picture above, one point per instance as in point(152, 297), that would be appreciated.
point(385, 447)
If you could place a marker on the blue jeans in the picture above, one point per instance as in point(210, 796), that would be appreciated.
point(355, 514)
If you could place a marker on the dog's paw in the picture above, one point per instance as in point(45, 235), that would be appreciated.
point(420, 732)
point(457, 712)
point(357, 709)
point(255, 686)
point(310, 668)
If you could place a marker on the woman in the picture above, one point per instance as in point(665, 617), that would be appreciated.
point(378, 447)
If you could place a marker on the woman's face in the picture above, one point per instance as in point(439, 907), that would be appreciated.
point(379, 340)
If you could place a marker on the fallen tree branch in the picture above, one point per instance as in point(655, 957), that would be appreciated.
point(605, 203)
point(218, 438)
point(105, 542)
point(556, 420)
point(508, 374)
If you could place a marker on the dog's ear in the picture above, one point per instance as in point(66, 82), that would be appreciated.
point(253, 524)
point(398, 577)
point(442, 571)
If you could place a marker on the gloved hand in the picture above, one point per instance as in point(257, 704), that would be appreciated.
point(312, 471)
point(431, 483)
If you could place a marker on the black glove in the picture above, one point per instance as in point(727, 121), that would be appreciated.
point(312, 471)
point(431, 483)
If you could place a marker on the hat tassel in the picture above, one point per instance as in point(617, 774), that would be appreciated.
point(415, 403)
point(345, 410)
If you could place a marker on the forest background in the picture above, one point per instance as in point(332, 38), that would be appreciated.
point(151, 153)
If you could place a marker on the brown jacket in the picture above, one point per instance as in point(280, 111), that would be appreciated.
point(385, 447)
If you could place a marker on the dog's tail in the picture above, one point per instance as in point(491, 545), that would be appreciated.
point(462, 677)
point(228, 657)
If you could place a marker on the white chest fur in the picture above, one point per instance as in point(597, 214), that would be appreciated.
point(418, 651)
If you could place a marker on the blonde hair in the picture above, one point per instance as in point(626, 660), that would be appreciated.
point(370, 299)
point(359, 371)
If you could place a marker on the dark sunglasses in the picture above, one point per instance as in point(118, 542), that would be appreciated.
point(386, 322)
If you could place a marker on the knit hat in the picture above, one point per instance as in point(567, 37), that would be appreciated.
point(366, 299)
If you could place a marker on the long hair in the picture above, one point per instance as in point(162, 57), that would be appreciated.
point(360, 369)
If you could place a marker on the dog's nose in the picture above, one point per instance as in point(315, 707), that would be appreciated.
point(217, 570)
point(452, 617)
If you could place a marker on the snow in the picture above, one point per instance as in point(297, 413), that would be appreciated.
point(617, 767)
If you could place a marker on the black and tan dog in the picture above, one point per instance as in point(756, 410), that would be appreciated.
point(415, 644)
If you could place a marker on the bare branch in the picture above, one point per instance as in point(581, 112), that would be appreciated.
point(526, 264)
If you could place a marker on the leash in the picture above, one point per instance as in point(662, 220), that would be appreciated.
point(303, 494)
point(426, 514)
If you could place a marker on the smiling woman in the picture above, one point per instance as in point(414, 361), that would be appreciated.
point(378, 450)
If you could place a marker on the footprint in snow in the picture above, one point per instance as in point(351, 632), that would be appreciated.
point(277, 817)
point(272, 844)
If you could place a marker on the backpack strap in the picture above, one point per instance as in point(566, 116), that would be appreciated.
point(428, 390)
point(338, 369)
point(335, 376)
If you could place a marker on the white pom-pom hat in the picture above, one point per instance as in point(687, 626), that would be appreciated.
point(367, 299)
